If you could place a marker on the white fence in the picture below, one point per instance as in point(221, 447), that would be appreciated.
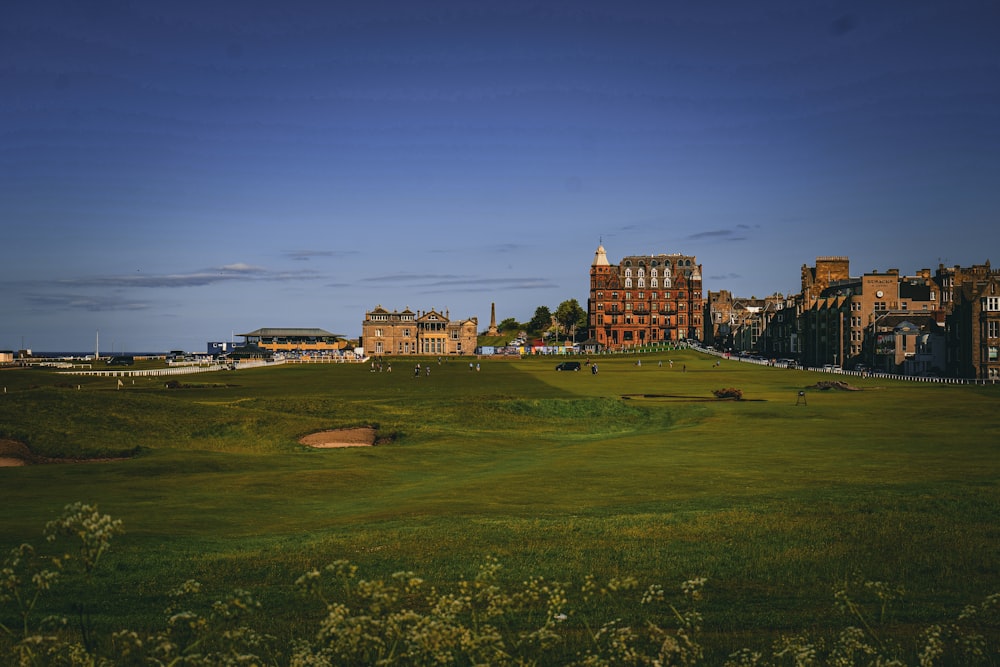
point(862, 374)
point(178, 370)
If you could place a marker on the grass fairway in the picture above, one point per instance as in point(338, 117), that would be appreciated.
point(633, 471)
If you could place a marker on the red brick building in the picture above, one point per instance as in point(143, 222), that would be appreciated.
point(644, 299)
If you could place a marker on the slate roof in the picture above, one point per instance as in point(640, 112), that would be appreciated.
point(291, 333)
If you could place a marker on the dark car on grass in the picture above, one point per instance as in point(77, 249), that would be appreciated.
point(568, 366)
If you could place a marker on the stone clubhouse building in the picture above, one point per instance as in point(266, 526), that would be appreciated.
point(430, 332)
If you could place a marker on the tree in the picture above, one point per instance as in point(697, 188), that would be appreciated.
point(509, 324)
point(568, 315)
point(542, 320)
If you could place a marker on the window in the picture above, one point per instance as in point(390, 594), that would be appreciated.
point(628, 273)
point(628, 283)
point(406, 333)
point(994, 353)
point(993, 329)
point(652, 283)
point(378, 334)
point(880, 306)
point(991, 303)
point(642, 283)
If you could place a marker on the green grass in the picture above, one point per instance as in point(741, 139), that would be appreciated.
point(634, 471)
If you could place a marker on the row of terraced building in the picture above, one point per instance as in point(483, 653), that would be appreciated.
point(934, 323)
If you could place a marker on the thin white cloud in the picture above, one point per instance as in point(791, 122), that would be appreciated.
point(432, 283)
point(86, 302)
point(227, 273)
point(723, 234)
point(306, 255)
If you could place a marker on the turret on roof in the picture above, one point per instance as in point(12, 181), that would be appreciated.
point(600, 257)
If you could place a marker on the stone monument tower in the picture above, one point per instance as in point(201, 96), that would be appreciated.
point(492, 331)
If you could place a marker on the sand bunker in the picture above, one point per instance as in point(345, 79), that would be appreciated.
point(14, 453)
point(342, 437)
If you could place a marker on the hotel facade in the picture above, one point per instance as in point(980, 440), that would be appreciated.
point(644, 299)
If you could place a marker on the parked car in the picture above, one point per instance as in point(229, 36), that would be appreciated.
point(568, 366)
point(120, 361)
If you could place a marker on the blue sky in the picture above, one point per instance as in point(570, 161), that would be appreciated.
point(173, 173)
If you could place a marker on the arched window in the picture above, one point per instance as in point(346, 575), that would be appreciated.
point(642, 283)
point(628, 273)
point(652, 283)
point(628, 283)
